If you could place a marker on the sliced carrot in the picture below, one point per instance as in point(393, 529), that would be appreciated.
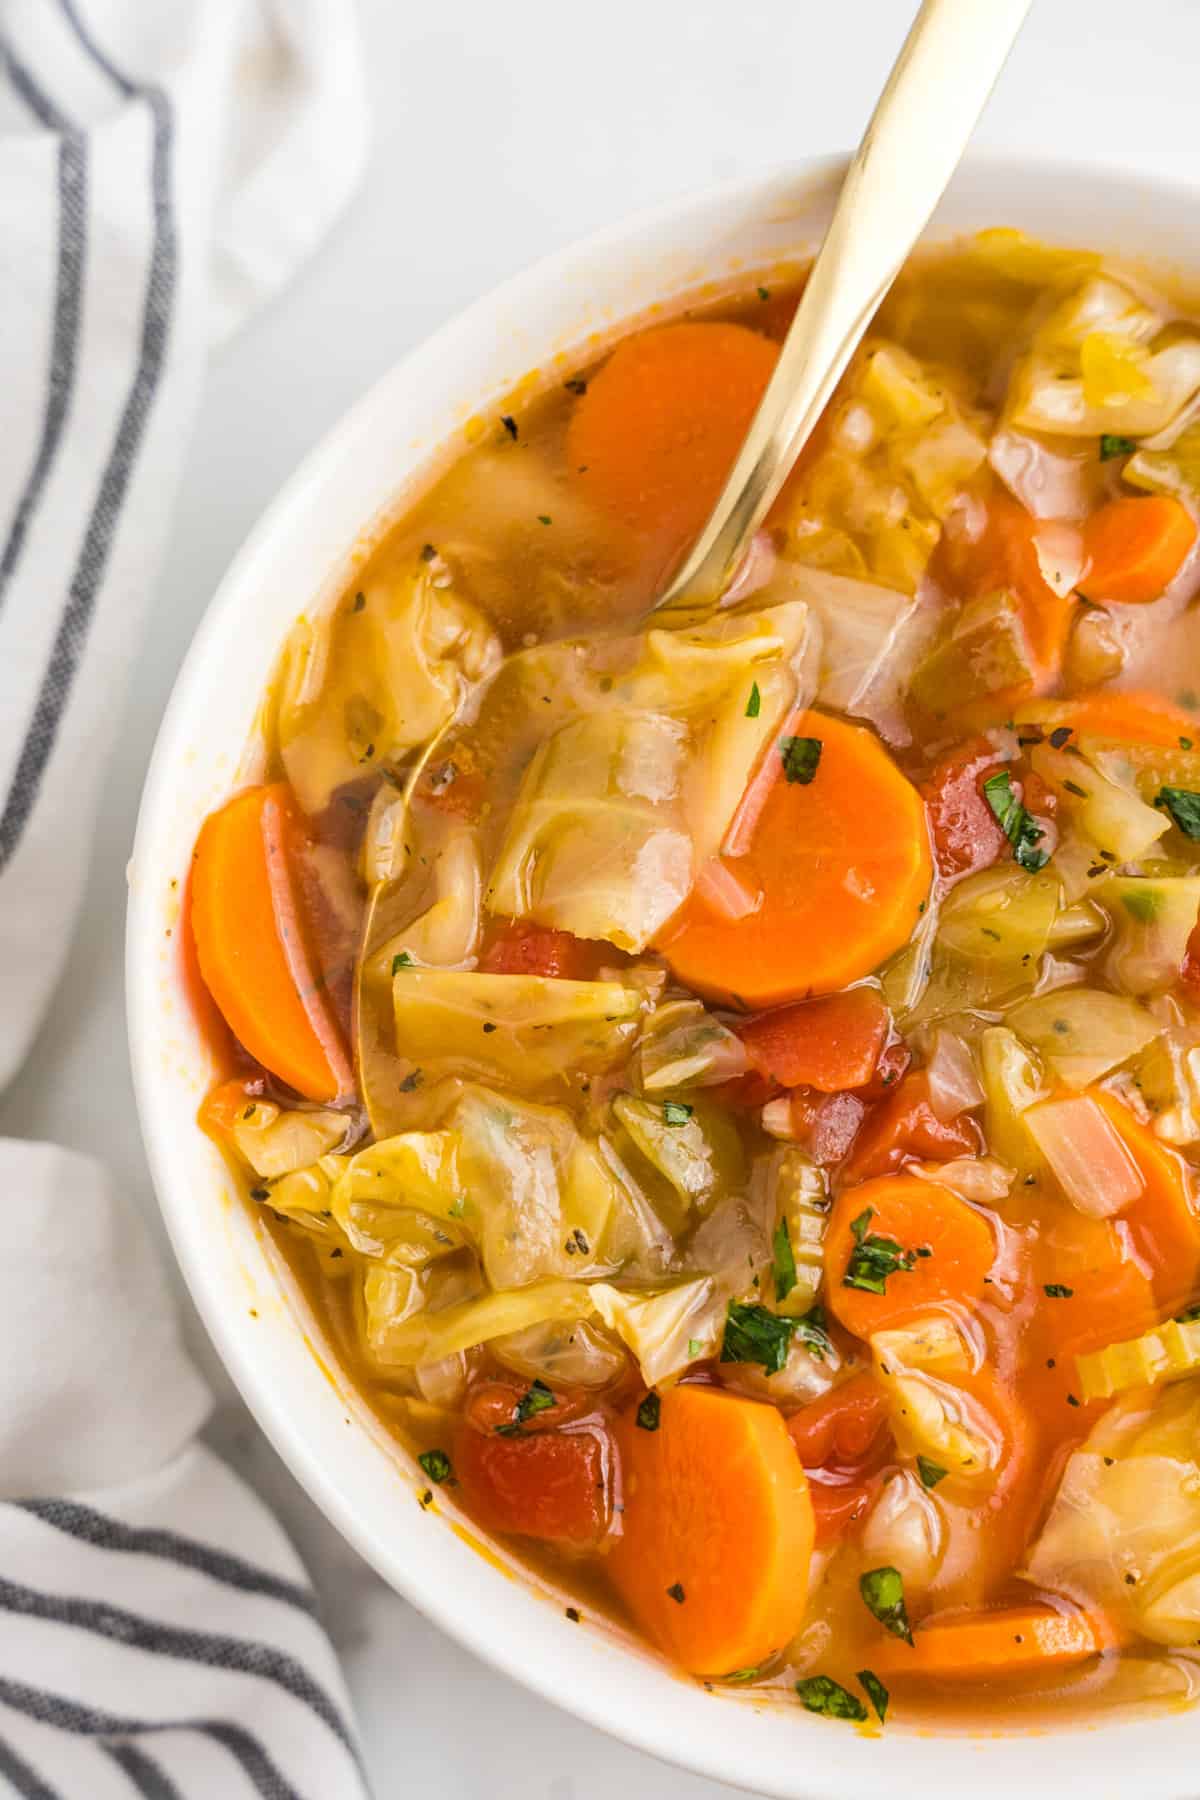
point(905, 1126)
point(842, 861)
point(657, 431)
point(1162, 1223)
point(250, 943)
point(1135, 547)
point(713, 1560)
point(1090, 1289)
point(993, 1646)
point(1132, 717)
point(941, 1249)
point(829, 1044)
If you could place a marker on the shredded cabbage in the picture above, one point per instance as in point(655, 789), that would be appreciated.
point(694, 1147)
point(1084, 1034)
point(400, 1334)
point(682, 1045)
point(276, 1141)
point(665, 1329)
point(1153, 918)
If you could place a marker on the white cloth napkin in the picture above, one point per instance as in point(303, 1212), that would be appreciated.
point(164, 166)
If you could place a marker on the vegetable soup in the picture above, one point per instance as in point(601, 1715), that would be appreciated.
point(730, 1083)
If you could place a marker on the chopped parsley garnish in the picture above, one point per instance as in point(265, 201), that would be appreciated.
point(649, 1412)
point(754, 1334)
point(750, 1674)
point(437, 1466)
point(873, 1259)
point(930, 1472)
point(576, 385)
point(412, 1081)
point(764, 293)
point(1111, 445)
point(489, 1025)
point(545, 519)
point(822, 1694)
point(1017, 825)
point(1185, 743)
point(675, 1112)
point(1056, 1290)
point(800, 756)
point(509, 424)
point(536, 1399)
point(401, 961)
point(1184, 808)
point(783, 1263)
point(883, 1596)
point(360, 600)
point(427, 552)
point(754, 703)
point(676, 1593)
point(1186, 1318)
point(876, 1693)
point(694, 1346)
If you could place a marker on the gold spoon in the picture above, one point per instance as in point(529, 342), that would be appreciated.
point(921, 125)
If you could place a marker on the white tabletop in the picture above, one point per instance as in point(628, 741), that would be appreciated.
point(502, 132)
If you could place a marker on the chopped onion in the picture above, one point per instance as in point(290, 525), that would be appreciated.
point(1059, 548)
point(905, 1530)
point(776, 1118)
point(1086, 1154)
point(981, 1178)
point(954, 1086)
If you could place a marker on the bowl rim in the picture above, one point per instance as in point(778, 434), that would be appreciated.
point(466, 1622)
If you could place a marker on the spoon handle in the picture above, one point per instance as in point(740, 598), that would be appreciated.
point(918, 132)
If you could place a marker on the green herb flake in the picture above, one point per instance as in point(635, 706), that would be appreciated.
point(930, 1472)
point(1056, 1290)
point(649, 1413)
point(812, 1330)
point(694, 1347)
point(750, 1674)
point(536, 1399)
point(412, 1081)
point(545, 519)
point(822, 1694)
point(675, 1112)
point(1111, 445)
point(783, 1263)
point(1017, 825)
point(675, 1592)
point(576, 385)
point(1185, 743)
point(882, 1591)
point(401, 961)
point(509, 424)
point(1184, 808)
point(754, 703)
point(874, 1259)
point(1186, 1318)
point(438, 1467)
point(427, 552)
point(360, 600)
point(764, 293)
point(754, 1334)
point(876, 1693)
point(800, 756)
point(1142, 903)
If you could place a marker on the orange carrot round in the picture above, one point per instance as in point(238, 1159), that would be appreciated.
point(717, 1533)
point(1134, 718)
point(656, 433)
point(1135, 547)
point(1020, 1640)
point(1162, 1222)
point(838, 848)
point(940, 1249)
point(250, 943)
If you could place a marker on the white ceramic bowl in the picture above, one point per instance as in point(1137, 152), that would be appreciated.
point(296, 554)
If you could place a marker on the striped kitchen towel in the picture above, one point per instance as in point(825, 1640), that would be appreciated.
point(164, 165)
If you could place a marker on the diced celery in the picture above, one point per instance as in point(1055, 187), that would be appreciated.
point(1167, 1353)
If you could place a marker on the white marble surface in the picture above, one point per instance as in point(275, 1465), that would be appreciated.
point(502, 131)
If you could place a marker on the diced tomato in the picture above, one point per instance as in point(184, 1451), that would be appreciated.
point(749, 1091)
point(825, 1124)
point(962, 825)
point(843, 1441)
point(1005, 555)
point(906, 1126)
point(554, 1485)
point(506, 1401)
point(893, 1063)
point(519, 947)
point(830, 1043)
